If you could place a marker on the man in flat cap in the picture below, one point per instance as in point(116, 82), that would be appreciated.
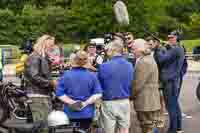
point(146, 96)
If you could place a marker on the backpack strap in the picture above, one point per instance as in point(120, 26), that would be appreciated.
point(94, 63)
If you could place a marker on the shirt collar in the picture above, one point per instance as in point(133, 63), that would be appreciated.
point(78, 68)
point(138, 59)
point(116, 57)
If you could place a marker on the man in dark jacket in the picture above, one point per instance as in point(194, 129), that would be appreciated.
point(154, 44)
point(172, 60)
point(37, 75)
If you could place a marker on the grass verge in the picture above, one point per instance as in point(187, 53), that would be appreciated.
point(190, 44)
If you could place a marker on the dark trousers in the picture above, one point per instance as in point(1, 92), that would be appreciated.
point(171, 94)
point(83, 123)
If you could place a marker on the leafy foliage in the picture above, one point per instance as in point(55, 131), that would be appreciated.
point(77, 21)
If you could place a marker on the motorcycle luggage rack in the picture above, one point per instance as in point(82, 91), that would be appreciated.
point(11, 125)
point(73, 127)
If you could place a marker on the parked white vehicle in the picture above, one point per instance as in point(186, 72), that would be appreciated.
point(98, 41)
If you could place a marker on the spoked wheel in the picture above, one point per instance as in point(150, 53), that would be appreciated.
point(3, 113)
point(198, 91)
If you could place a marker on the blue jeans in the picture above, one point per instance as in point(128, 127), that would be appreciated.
point(171, 94)
point(155, 130)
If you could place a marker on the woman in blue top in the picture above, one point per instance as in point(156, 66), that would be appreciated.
point(79, 88)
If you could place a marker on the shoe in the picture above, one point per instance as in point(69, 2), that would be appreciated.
point(184, 115)
point(166, 113)
point(181, 131)
point(160, 125)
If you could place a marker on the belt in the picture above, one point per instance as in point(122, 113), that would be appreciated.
point(38, 95)
point(115, 99)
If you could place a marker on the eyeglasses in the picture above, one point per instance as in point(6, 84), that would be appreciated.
point(128, 38)
point(171, 37)
point(91, 47)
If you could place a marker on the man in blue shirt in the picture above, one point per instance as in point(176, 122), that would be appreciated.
point(116, 78)
point(172, 60)
point(79, 88)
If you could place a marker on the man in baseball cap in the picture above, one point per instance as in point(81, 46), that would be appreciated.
point(172, 61)
point(173, 37)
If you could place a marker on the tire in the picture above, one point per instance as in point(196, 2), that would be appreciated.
point(51, 130)
point(198, 91)
point(3, 113)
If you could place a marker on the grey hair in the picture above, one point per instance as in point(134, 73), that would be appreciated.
point(140, 44)
point(116, 46)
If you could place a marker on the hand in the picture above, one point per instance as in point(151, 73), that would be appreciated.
point(83, 105)
point(77, 106)
point(134, 97)
point(67, 65)
point(54, 84)
point(90, 67)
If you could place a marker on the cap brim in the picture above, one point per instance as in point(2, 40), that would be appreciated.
point(170, 36)
point(93, 45)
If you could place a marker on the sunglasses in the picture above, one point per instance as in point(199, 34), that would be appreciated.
point(128, 38)
point(91, 47)
point(171, 36)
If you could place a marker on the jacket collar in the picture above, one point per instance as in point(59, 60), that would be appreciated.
point(78, 68)
point(116, 57)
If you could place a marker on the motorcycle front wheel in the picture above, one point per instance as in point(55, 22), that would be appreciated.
point(3, 113)
point(198, 91)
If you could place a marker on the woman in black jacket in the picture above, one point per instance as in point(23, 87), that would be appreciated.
point(37, 75)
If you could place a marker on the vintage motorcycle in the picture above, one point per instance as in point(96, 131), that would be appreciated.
point(14, 103)
point(14, 107)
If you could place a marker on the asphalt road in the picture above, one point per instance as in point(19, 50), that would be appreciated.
point(190, 104)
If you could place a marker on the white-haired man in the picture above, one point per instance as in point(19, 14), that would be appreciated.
point(116, 78)
point(145, 88)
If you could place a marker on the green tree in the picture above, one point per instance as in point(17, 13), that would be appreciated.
point(194, 26)
point(82, 19)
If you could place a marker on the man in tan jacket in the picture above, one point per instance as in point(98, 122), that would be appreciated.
point(145, 88)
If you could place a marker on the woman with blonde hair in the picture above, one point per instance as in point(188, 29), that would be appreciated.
point(37, 76)
point(79, 89)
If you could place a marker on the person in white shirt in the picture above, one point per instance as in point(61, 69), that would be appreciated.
point(94, 59)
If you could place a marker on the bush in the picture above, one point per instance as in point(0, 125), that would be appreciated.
point(91, 18)
point(83, 21)
point(65, 25)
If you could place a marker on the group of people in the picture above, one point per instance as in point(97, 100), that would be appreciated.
point(146, 83)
